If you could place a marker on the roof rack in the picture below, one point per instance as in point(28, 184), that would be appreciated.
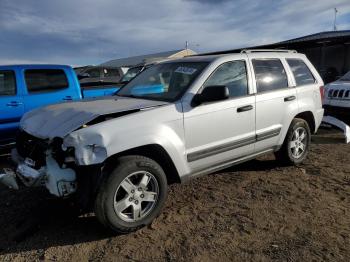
point(267, 50)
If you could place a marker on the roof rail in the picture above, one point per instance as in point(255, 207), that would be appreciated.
point(267, 50)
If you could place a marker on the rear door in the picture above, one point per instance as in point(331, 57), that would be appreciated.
point(276, 101)
point(11, 105)
point(307, 85)
point(48, 86)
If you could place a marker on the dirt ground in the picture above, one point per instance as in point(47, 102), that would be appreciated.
point(257, 211)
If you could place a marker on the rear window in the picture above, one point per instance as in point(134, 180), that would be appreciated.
point(302, 73)
point(108, 72)
point(94, 72)
point(45, 80)
point(7, 83)
point(270, 75)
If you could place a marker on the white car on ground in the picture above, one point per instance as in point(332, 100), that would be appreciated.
point(337, 98)
point(176, 120)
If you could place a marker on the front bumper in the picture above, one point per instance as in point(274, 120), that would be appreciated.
point(341, 113)
point(8, 178)
point(60, 182)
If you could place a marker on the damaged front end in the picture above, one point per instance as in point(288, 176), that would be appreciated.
point(41, 162)
point(59, 146)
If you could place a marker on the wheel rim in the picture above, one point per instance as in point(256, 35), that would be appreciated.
point(299, 142)
point(136, 196)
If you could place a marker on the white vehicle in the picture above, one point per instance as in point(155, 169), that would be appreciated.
point(176, 120)
point(337, 97)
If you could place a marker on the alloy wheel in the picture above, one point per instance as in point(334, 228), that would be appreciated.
point(299, 142)
point(136, 196)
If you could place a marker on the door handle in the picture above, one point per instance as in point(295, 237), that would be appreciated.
point(67, 98)
point(244, 108)
point(13, 104)
point(289, 98)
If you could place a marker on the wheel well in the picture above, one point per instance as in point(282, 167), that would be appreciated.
point(309, 118)
point(156, 153)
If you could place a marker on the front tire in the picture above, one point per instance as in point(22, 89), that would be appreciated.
point(296, 144)
point(132, 195)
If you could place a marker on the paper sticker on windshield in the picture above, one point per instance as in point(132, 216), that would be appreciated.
point(185, 70)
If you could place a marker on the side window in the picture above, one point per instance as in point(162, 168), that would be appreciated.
point(270, 75)
point(109, 72)
point(302, 73)
point(233, 75)
point(94, 72)
point(45, 80)
point(7, 83)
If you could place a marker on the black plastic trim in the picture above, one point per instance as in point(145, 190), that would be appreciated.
point(232, 145)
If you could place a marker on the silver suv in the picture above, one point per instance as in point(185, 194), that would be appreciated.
point(176, 120)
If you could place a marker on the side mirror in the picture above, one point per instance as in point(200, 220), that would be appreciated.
point(83, 76)
point(211, 94)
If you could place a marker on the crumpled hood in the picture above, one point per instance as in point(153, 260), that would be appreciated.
point(61, 119)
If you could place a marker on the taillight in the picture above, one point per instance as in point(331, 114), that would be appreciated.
point(322, 93)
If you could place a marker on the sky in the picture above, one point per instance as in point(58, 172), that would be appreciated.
point(81, 32)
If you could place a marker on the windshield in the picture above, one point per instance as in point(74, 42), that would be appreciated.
point(165, 82)
point(345, 77)
point(131, 73)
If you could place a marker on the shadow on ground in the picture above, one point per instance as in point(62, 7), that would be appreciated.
point(33, 220)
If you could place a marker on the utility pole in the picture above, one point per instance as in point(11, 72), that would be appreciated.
point(335, 19)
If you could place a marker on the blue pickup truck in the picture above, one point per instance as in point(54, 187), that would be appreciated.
point(25, 87)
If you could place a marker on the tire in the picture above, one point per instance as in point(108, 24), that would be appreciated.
point(287, 153)
point(123, 188)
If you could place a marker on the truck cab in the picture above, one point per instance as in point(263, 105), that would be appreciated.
point(26, 87)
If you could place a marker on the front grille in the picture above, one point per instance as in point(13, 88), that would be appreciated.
point(29, 146)
point(342, 93)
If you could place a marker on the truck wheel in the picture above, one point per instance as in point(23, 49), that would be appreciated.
point(296, 144)
point(132, 195)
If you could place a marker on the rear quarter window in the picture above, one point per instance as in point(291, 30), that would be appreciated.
point(45, 80)
point(270, 75)
point(7, 83)
point(301, 72)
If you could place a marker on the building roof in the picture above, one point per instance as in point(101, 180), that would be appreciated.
point(334, 36)
point(142, 59)
point(318, 37)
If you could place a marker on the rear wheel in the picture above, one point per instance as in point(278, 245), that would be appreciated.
point(296, 144)
point(132, 195)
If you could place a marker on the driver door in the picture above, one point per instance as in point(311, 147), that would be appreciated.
point(219, 132)
point(11, 106)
